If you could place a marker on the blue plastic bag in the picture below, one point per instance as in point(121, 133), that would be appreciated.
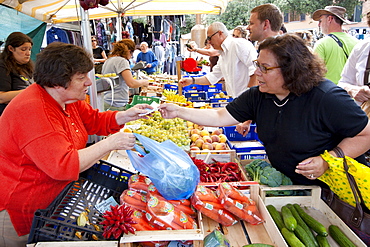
point(169, 167)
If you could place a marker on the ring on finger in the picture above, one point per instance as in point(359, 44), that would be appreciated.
point(311, 176)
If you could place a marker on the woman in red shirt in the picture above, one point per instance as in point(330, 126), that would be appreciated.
point(44, 145)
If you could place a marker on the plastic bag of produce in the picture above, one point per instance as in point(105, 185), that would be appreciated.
point(216, 238)
point(169, 167)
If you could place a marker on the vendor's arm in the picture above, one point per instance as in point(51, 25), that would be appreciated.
point(118, 141)
point(197, 80)
point(131, 81)
point(205, 117)
point(6, 97)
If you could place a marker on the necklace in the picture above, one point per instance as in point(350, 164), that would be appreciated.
point(281, 104)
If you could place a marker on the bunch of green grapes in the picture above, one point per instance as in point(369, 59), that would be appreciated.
point(160, 129)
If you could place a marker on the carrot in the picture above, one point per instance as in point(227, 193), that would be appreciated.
point(232, 192)
point(253, 215)
point(186, 209)
point(214, 211)
point(184, 202)
point(134, 198)
point(205, 194)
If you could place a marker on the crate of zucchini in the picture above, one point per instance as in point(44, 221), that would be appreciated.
point(319, 218)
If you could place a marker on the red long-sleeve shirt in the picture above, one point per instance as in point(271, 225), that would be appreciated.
point(39, 143)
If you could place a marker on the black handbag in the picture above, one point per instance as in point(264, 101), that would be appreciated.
point(358, 217)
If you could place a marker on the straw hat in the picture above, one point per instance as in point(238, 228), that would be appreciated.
point(331, 10)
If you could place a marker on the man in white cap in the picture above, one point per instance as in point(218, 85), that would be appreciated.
point(335, 48)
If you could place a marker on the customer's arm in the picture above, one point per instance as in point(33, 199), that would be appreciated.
point(131, 81)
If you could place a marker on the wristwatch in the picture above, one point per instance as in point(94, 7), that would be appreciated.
point(193, 80)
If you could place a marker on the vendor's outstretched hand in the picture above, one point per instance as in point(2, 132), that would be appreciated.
point(134, 113)
point(169, 110)
point(185, 81)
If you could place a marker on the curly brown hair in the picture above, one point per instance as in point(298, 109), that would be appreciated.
point(16, 39)
point(301, 69)
point(58, 62)
point(121, 47)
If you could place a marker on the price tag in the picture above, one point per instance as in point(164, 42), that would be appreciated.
point(105, 205)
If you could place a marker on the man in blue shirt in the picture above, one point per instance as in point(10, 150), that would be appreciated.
point(147, 56)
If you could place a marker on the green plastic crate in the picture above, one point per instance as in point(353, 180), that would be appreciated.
point(137, 99)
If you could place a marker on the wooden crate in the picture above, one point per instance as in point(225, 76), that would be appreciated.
point(197, 235)
point(313, 205)
point(239, 234)
point(219, 155)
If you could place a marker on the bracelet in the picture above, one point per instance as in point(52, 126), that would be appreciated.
point(193, 80)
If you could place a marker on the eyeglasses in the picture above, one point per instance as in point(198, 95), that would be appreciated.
point(208, 39)
point(93, 40)
point(263, 68)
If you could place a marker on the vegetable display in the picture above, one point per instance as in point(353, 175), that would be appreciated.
point(306, 225)
point(218, 171)
point(263, 172)
point(118, 221)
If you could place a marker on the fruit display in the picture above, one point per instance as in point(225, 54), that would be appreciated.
point(171, 96)
point(201, 139)
point(221, 95)
point(105, 75)
point(160, 129)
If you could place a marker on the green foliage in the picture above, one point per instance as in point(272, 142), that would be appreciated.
point(189, 24)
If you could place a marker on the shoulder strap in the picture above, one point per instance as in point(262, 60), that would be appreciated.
point(338, 42)
point(357, 214)
point(367, 70)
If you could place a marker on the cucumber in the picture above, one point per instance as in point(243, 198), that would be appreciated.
point(339, 237)
point(289, 221)
point(323, 241)
point(301, 222)
point(258, 245)
point(303, 236)
point(311, 222)
point(291, 238)
point(276, 216)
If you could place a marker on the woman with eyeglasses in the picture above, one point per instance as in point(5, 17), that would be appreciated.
point(298, 113)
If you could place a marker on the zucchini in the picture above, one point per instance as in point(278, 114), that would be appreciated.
point(339, 237)
point(311, 222)
point(301, 222)
point(276, 216)
point(258, 245)
point(289, 221)
point(291, 238)
point(303, 236)
point(323, 241)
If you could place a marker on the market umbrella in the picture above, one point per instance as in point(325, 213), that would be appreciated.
point(57, 11)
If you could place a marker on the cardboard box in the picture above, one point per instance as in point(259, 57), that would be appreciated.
point(313, 205)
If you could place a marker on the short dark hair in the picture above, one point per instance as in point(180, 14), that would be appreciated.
point(121, 47)
point(58, 62)
point(269, 12)
point(301, 69)
point(16, 39)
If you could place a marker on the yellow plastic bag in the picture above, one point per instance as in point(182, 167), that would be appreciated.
point(337, 180)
